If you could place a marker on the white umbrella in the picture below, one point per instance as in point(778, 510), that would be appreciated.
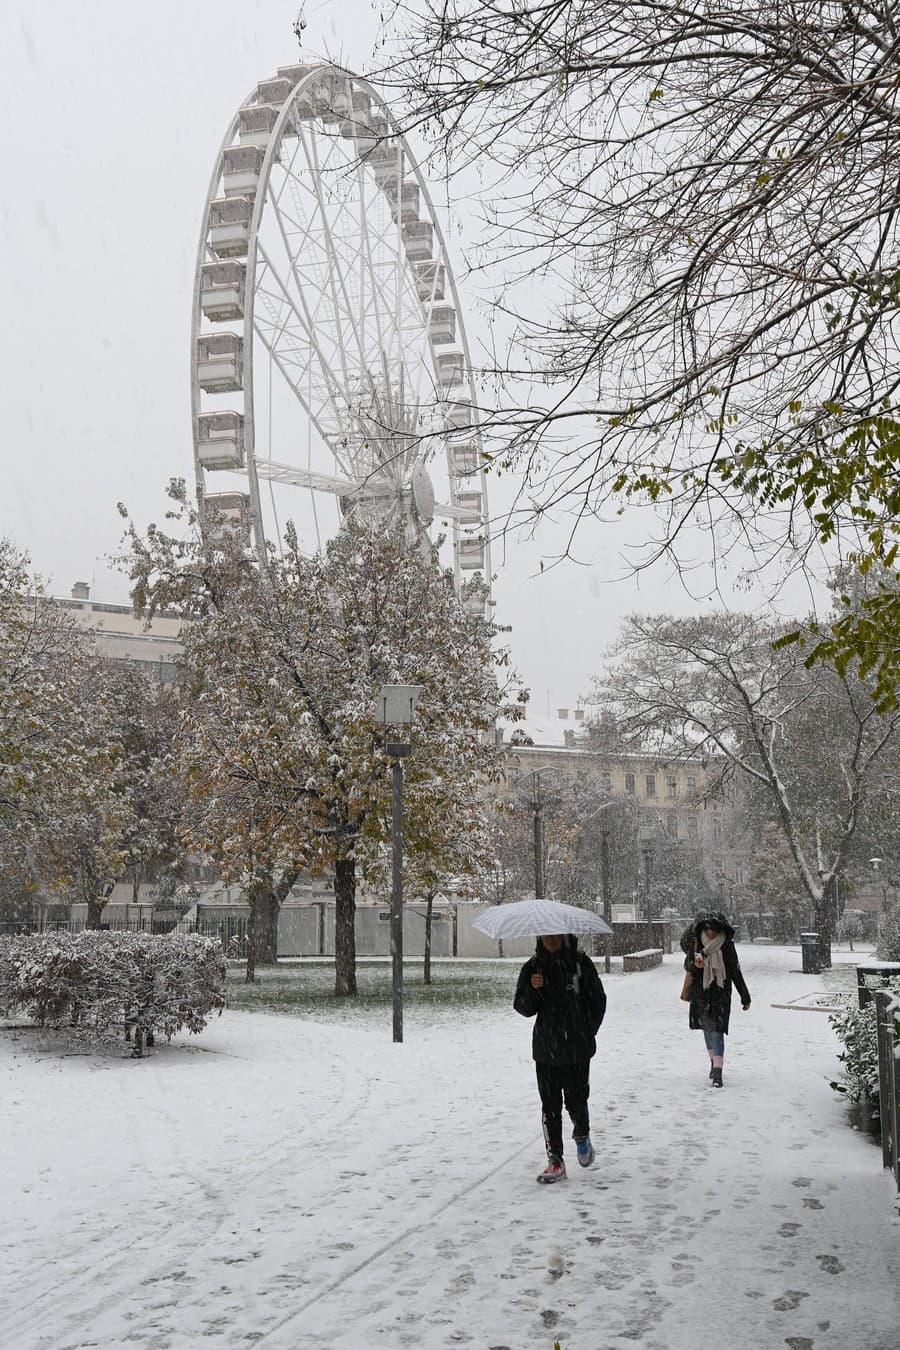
point(534, 918)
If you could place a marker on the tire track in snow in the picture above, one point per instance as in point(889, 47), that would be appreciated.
point(385, 1247)
point(116, 1257)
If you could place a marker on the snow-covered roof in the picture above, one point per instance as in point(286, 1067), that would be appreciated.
point(547, 731)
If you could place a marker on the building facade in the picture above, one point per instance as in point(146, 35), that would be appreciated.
point(121, 636)
point(675, 814)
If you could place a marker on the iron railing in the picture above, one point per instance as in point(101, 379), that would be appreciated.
point(888, 1081)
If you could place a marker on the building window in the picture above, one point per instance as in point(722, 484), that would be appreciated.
point(717, 830)
point(629, 784)
point(606, 782)
point(692, 785)
point(671, 788)
point(739, 874)
point(651, 784)
point(692, 827)
point(672, 825)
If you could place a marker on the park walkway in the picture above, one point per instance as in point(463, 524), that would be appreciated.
point(280, 1182)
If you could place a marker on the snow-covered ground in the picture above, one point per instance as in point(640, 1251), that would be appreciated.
point(288, 1183)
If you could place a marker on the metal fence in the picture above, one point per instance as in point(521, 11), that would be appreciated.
point(231, 930)
point(22, 928)
point(888, 1083)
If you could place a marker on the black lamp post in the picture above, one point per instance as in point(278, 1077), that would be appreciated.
point(396, 706)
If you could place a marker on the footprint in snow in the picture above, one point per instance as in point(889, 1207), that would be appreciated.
point(790, 1229)
point(799, 1342)
point(802, 1181)
point(810, 1202)
point(790, 1299)
point(830, 1264)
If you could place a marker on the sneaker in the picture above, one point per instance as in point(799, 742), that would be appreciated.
point(585, 1150)
point(554, 1171)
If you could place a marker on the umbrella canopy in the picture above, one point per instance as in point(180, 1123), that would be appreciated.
point(532, 918)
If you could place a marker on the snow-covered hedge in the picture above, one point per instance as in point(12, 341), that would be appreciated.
point(888, 948)
point(857, 1029)
point(98, 980)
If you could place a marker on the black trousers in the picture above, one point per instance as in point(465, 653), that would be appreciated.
point(569, 1082)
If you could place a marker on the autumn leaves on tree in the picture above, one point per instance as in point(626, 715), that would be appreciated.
point(282, 759)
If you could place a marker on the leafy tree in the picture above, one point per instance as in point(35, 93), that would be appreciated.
point(809, 741)
point(282, 758)
point(447, 839)
point(708, 197)
point(150, 833)
point(59, 753)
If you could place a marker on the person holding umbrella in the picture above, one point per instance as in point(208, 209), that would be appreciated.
point(560, 988)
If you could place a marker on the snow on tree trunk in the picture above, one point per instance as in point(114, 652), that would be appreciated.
point(344, 927)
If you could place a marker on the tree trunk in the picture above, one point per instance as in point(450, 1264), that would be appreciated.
point(264, 909)
point(345, 927)
point(95, 908)
point(266, 896)
point(429, 905)
point(824, 925)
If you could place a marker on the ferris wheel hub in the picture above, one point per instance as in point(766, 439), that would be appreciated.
point(423, 497)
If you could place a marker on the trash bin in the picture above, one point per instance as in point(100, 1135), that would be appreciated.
point(812, 959)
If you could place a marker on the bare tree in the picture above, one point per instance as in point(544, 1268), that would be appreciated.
point(809, 741)
point(708, 196)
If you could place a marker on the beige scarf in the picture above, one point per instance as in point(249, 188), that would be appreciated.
point(714, 962)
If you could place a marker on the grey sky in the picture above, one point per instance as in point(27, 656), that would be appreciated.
point(113, 114)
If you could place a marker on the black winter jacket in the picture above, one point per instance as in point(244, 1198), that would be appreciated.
point(569, 1008)
point(710, 1009)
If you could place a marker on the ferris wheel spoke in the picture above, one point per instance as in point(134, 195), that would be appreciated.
point(336, 280)
point(273, 337)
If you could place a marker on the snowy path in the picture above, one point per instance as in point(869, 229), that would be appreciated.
point(284, 1183)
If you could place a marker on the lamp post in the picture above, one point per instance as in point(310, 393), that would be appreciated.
point(605, 894)
point(396, 706)
point(537, 807)
point(875, 864)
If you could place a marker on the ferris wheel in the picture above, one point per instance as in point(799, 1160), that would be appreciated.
point(324, 300)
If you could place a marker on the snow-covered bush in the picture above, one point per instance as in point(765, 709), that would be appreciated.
point(99, 980)
point(856, 1028)
point(888, 948)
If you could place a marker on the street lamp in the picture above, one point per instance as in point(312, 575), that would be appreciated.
point(604, 879)
point(875, 864)
point(396, 706)
point(537, 807)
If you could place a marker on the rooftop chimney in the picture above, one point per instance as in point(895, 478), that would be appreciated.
point(563, 714)
point(81, 591)
point(579, 714)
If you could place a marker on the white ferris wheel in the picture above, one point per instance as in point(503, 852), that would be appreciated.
point(330, 373)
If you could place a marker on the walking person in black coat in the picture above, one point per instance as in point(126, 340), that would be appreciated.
point(711, 957)
point(560, 987)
